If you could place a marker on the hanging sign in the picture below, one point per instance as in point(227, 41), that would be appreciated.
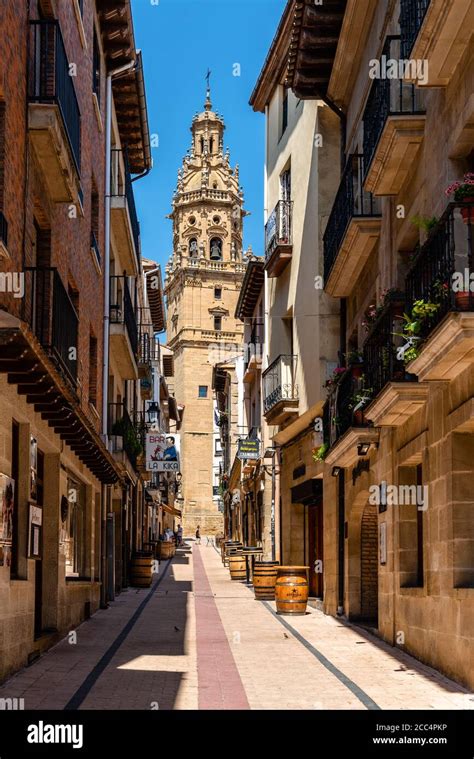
point(248, 449)
point(162, 452)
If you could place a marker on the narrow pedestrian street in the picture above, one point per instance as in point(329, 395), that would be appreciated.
point(197, 640)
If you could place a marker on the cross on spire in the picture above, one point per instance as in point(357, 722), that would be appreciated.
point(208, 90)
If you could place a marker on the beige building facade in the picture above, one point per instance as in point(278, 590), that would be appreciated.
point(394, 462)
point(203, 279)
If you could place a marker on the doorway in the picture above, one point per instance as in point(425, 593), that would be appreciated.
point(315, 549)
point(369, 565)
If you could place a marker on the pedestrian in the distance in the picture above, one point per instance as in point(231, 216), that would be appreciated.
point(180, 535)
point(198, 535)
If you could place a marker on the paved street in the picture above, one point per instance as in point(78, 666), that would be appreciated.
point(198, 640)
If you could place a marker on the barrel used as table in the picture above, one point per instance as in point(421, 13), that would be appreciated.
point(229, 550)
point(225, 544)
point(141, 570)
point(251, 553)
point(291, 590)
point(264, 578)
point(237, 567)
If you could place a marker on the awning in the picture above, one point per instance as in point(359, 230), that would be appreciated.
point(171, 510)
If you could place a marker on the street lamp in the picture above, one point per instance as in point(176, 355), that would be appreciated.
point(152, 412)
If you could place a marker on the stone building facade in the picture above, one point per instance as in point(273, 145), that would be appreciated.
point(395, 454)
point(202, 284)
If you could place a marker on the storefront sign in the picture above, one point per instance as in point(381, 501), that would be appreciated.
point(34, 531)
point(162, 452)
point(248, 449)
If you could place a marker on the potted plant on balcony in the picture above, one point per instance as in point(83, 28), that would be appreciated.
point(355, 360)
point(463, 192)
point(359, 400)
point(334, 379)
point(422, 311)
point(319, 454)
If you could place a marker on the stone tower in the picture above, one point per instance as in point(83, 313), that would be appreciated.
point(203, 279)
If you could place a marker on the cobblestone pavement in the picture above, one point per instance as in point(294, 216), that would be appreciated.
point(198, 640)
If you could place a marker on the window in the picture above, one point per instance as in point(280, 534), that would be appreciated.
point(217, 293)
point(93, 370)
point(218, 323)
point(215, 248)
point(96, 67)
point(217, 447)
point(202, 391)
point(193, 247)
point(284, 110)
point(73, 528)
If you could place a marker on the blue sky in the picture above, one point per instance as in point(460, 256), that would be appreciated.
point(179, 40)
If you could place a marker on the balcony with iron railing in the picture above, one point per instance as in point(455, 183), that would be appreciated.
point(54, 119)
point(126, 434)
point(123, 327)
point(279, 238)
point(253, 350)
point(437, 33)
point(280, 391)
point(441, 284)
point(50, 313)
point(394, 123)
point(352, 231)
point(412, 13)
point(124, 212)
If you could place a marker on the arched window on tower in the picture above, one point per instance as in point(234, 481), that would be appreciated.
point(215, 248)
point(202, 145)
point(211, 147)
point(193, 247)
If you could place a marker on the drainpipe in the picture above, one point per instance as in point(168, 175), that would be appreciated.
point(106, 492)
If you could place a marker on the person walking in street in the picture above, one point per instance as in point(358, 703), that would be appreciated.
point(198, 535)
point(180, 535)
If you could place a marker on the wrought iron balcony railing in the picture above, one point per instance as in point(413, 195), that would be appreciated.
point(255, 345)
point(387, 97)
point(49, 311)
point(279, 382)
point(341, 411)
point(381, 360)
point(412, 13)
point(122, 310)
point(443, 264)
point(351, 201)
point(50, 80)
point(122, 187)
point(148, 346)
point(278, 229)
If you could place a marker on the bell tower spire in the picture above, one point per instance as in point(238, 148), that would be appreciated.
point(208, 104)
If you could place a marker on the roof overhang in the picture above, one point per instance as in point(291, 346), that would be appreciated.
point(314, 39)
point(116, 23)
point(156, 301)
point(274, 67)
point(251, 289)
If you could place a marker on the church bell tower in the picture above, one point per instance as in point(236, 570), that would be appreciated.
point(202, 284)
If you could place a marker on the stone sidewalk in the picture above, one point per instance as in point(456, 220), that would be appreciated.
point(199, 641)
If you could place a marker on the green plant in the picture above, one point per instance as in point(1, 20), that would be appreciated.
point(319, 454)
point(421, 312)
point(354, 357)
point(131, 439)
point(426, 223)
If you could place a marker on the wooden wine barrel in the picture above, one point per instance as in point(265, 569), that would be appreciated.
point(237, 567)
point(229, 550)
point(291, 590)
point(166, 549)
point(264, 579)
point(141, 569)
